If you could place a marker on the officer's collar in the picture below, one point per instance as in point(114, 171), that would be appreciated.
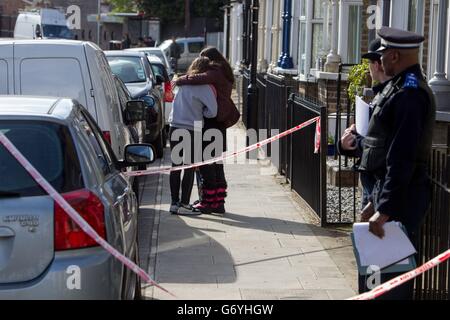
point(415, 69)
point(379, 87)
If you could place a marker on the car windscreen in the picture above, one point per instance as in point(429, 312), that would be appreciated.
point(55, 31)
point(128, 69)
point(49, 148)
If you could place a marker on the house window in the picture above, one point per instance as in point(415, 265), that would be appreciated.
point(311, 28)
point(350, 23)
point(354, 34)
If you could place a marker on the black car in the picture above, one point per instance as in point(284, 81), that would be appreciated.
point(134, 69)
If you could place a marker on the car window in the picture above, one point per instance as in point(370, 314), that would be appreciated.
point(60, 77)
point(148, 69)
point(55, 31)
point(158, 69)
point(49, 148)
point(109, 87)
point(104, 157)
point(195, 47)
point(123, 96)
point(128, 69)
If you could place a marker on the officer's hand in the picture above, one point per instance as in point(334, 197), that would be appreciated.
point(348, 141)
point(376, 224)
point(351, 129)
point(367, 212)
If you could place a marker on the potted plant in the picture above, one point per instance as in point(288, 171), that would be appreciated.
point(358, 79)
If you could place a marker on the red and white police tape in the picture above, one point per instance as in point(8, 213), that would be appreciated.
point(378, 291)
point(73, 214)
point(89, 230)
point(227, 155)
point(388, 286)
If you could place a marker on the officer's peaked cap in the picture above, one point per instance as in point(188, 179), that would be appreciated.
point(398, 39)
point(373, 47)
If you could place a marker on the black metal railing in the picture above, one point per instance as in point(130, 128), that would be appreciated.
point(277, 116)
point(308, 169)
point(435, 234)
point(261, 87)
point(245, 83)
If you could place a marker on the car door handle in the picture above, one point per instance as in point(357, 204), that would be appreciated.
point(6, 233)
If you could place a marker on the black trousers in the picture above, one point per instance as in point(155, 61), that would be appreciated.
point(187, 182)
point(213, 176)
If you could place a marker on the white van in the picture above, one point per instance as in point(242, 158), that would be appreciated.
point(66, 68)
point(189, 49)
point(42, 24)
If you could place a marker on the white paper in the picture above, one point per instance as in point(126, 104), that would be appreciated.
point(362, 116)
point(394, 247)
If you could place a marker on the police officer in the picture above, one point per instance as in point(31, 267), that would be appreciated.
point(351, 142)
point(398, 143)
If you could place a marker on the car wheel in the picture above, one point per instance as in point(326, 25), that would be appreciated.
point(159, 146)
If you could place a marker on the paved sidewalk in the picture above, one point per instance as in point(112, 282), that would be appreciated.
point(265, 247)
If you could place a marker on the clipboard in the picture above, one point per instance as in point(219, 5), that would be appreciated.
point(404, 265)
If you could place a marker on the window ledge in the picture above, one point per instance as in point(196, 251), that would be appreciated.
point(328, 75)
point(303, 78)
point(279, 70)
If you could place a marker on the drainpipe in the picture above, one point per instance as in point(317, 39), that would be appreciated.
point(252, 98)
point(439, 83)
point(285, 60)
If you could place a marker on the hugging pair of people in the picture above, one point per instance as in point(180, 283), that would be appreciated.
point(202, 112)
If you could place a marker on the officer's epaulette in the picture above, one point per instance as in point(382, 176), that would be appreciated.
point(411, 81)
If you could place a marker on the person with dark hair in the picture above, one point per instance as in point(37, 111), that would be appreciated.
point(126, 41)
point(221, 76)
point(191, 106)
point(350, 138)
point(398, 144)
point(175, 53)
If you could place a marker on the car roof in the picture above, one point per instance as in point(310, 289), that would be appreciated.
point(190, 39)
point(36, 106)
point(65, 42)
point(144, 49)
point(122, 53)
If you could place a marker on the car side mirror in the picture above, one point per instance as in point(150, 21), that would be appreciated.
point(149, 101)
point(159, 79)
point(138, 154)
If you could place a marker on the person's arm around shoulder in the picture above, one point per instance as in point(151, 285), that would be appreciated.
point(208, 77)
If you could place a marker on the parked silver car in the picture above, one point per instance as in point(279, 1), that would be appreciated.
point(43, 254)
